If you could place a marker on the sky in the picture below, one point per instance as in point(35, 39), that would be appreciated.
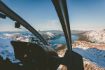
point(83, 14)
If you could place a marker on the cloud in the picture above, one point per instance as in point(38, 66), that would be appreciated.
point(49, 25)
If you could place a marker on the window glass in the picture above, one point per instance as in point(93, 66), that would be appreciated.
point(42, 16)
point(9, 33)
point(87, 27)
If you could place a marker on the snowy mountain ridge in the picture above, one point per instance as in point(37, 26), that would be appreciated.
point(95, 36)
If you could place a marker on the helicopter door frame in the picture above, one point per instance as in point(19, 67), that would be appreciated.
point(62, 12)
point(15, 17)
point(71, 58)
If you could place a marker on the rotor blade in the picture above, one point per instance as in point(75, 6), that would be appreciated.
point(8, 12)
point(58, 9)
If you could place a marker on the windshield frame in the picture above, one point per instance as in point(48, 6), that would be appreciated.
point(15, 17)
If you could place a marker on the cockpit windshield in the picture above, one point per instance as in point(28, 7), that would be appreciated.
point(42, 16)
point(86, 24)
point(87, 19)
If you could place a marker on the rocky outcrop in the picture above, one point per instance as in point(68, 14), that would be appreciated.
point(88, 65)
point(86, 45)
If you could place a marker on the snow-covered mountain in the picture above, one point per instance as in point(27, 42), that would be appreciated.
point(6, 49)
point(93, 52)
point(17, 36)
point(48, 35)
point(93, 58)
point(91, 45)
point(95, 36)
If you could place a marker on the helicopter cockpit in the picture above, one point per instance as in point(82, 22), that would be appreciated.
point(32, 48)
